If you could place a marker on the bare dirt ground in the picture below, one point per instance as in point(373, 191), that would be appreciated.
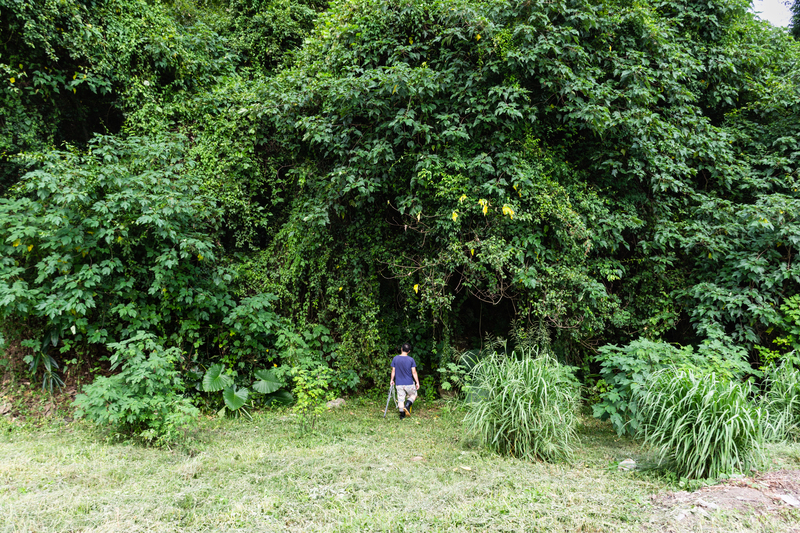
point(770, 502)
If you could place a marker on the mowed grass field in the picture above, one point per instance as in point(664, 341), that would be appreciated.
point(359, 472)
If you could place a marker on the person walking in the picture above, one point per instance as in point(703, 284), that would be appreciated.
point(404, 369)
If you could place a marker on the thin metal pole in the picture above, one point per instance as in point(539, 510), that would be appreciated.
point(388, 399)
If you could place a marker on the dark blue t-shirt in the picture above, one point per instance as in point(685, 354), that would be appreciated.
point(402, 365)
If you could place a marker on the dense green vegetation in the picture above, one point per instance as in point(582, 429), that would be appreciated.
point(298, 185)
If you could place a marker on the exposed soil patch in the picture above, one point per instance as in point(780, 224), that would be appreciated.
point(771, 500)
point(20, 402)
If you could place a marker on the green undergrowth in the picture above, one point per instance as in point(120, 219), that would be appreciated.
point(357, 472)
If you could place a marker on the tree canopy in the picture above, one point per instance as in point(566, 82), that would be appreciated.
point(374, 172)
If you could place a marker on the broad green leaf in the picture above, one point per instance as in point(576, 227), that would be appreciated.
point(280, 397)
point(267, 382)
point(215, 380)
point(235, 398)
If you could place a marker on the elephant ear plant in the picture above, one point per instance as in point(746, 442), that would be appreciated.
point(235, 398)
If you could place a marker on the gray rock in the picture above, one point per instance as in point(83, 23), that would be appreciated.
point(335, 404)
point(707, 505)
point(790, 500)
point(627, 465)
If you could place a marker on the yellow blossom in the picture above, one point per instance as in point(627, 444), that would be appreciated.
point(416, 288)
point(17, 243)
point(485, 205)
point(508, 211)
point(12, 80)
point(199, 257)
point(455, 215)
point(478, 37)
point(472, 251)
point(463, 197)
point(30, 247)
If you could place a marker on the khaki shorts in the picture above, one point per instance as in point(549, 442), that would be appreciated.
point(403, 390)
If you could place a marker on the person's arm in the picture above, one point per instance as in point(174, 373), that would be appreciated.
point(413, 373)
point(391, 381)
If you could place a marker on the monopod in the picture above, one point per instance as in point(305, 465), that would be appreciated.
point(389, 399)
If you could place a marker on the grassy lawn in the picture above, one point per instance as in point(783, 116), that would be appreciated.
point(358, 473)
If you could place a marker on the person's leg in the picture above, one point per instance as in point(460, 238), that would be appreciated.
point(412, 396)
point(401, 400)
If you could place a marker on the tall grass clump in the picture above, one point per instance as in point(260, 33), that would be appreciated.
point(702, 425)
point(523, 405)
point(782, 401)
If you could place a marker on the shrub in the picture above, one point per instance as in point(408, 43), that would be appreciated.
point(523, 405)
point(626, 369)
point(144, 399)
point(311, 382)
point(701, 424)
point(455, 375)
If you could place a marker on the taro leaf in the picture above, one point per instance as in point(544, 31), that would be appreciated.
point(235, 398)
point(267, 382)
point(215, 380)
point(281, 397)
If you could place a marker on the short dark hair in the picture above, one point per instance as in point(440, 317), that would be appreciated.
point(406, 347)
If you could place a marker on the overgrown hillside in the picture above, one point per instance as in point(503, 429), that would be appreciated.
point(262, 183)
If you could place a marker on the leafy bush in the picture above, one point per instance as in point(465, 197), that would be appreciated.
point(523, 405)
point(701, 424)
point(311, 382)
point(788, 343)
point(626, 369)
point(102, 244)
point(144, 399)
point(456, 374)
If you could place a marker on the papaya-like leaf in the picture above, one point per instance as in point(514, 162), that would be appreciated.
point(235, 398)
point(266, 382)
point(215, 380)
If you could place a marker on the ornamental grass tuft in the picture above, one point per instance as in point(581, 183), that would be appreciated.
point(701, 425)
point(782, 401)
point(524, 405)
